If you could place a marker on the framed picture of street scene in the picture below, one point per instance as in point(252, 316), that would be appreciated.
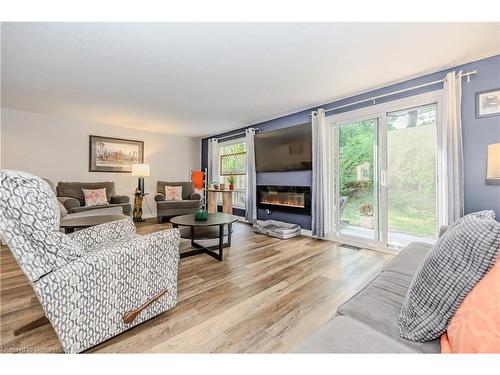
point(114, 154)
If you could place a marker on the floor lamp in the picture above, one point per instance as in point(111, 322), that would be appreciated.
point(141, 171)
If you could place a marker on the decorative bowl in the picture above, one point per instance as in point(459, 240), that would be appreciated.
point(201, 215)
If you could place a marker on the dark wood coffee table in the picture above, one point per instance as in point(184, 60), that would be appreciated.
point(218, 225)
point(70, 225)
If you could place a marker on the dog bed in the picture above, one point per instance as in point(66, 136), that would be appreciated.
point(276, 229)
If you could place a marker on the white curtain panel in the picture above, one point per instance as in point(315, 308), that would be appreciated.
point(251, 188)
point(319, 174)
point(451, 175)
point(213, 160)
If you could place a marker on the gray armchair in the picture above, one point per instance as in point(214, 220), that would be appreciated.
point(92, 284)
point(167, 209)
point(70, 194)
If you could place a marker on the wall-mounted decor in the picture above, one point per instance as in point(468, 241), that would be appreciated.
point(488, 103)
point(114, 154)
point(493, 164)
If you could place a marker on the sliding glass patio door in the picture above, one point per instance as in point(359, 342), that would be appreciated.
point(385, 174)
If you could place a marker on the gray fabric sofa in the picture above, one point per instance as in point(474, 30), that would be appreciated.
point(71, 196)
point(368, 322)
point(167, 209)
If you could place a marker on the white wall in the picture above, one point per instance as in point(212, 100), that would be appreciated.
point(58, 149)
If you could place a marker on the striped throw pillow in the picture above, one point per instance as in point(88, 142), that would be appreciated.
point(455, 265)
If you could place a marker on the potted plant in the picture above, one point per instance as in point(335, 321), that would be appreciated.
point(231, 180)
point(365, 211)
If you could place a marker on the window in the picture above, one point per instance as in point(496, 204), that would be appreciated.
point(233, 163)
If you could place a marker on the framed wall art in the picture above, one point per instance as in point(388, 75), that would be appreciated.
point(488, 103)
point(108, 154)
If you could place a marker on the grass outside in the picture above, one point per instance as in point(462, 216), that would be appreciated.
point(409, 212)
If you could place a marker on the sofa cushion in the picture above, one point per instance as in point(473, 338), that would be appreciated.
point(409, 259)
point(74, 189)
point(454, 266)
point(187, 187)
point(125, 208)
point(346, 335)
point(178, 204)
point(379, 304)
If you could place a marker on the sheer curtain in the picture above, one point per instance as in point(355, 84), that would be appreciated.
point(451, 175)
point(251, 188)
point(319, 174)
point(213, 160)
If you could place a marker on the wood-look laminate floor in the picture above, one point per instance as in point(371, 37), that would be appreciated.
point(267, 295)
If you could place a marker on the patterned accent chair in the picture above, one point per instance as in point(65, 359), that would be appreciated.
point(92, 284)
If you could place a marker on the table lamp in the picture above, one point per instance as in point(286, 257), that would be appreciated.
point(141, 171)
point(493, 166)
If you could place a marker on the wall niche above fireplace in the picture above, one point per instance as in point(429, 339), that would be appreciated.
point(296, 199)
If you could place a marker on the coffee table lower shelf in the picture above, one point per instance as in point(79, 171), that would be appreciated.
point(207, 233)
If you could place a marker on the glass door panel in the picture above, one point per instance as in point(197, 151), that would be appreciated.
point(411, 175)
point(357, 197)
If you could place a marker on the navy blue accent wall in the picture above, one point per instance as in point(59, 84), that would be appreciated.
point(477, 134)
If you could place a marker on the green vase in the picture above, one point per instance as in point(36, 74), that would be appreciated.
point(201, 215)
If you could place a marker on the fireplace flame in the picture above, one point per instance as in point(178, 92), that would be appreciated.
point(284, 201)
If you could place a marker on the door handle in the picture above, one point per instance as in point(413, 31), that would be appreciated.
point(383, 178)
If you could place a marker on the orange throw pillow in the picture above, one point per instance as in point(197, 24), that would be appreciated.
point(475, 327)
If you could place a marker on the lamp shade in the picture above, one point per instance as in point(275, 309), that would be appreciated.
point(493, 168)
point(141, 170)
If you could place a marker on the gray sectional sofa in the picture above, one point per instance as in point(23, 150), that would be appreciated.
point(368, 322)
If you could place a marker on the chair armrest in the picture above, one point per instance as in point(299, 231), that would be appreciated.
point(159, 197)
point(119, 199)
point(195, 197)
point(69, 202)
point(88, 238)
point(93, 293)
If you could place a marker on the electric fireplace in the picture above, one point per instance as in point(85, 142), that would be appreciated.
point(295, 199)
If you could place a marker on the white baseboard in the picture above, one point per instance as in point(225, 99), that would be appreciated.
point(306, 232)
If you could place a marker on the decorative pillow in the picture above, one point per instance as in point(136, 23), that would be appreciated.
point(95, 197)
point(454, 266)
point(173, 193)
point(486, 214)
point(475, 328)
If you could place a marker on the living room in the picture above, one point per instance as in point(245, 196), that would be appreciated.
point(250, 187)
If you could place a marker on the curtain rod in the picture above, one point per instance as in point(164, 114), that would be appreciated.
point(235, 134)
point(398, 92)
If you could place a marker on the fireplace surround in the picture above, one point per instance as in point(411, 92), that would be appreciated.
point(295, 199)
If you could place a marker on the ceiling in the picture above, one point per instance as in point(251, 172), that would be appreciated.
point(199, 79)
